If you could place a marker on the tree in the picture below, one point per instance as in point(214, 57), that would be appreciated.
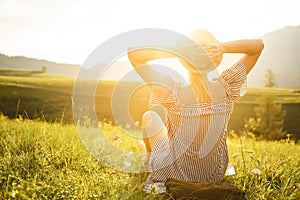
point(44, 69)
point(270, 79)
point(270, 117)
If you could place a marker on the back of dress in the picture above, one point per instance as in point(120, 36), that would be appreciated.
point(196, 150)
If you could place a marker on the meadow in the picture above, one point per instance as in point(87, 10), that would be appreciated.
point(43, 157)
point(41, 160)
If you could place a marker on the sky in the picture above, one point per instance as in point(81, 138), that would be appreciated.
point(68, 31)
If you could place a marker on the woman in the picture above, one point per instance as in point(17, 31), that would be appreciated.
point(191, 145)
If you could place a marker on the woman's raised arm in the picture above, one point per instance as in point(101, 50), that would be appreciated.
point(139, 57)
point(251, 48)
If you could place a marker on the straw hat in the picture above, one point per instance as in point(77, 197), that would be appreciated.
point(203, 37)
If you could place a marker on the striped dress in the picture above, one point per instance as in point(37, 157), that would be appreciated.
point(196, 150)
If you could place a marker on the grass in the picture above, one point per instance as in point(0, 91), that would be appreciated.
point(40, 160)
point(48, 161)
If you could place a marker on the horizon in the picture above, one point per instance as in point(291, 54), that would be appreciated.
point(67, 32)
point(122, 60)
point(120, 68)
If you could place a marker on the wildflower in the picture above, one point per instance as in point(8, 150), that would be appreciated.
point(116, 139)
point(127, 164)
point(128, 126)
point(13, 194)
point(256, 171)
point(107, 125)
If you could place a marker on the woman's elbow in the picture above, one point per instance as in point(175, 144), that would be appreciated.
point(132, 55)
point(135, 59)
point(260, 45)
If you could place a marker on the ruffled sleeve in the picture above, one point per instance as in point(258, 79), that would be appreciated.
point(235, 80)
point(163, 91)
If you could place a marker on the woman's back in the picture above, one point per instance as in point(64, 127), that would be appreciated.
point(197, 149)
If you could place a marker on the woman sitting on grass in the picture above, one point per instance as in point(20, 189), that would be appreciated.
point(191, 145)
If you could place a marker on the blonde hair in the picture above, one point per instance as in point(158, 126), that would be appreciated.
point(197, 80)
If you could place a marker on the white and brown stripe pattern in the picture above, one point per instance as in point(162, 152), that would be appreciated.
point(197, 149)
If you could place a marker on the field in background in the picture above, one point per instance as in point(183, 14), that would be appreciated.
point(49, 97)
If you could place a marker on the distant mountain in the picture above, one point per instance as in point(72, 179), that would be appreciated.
point(281, 55)
point(20, 62)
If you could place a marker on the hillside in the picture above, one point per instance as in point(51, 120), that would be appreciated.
point(281, 55)
point(21, 62)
